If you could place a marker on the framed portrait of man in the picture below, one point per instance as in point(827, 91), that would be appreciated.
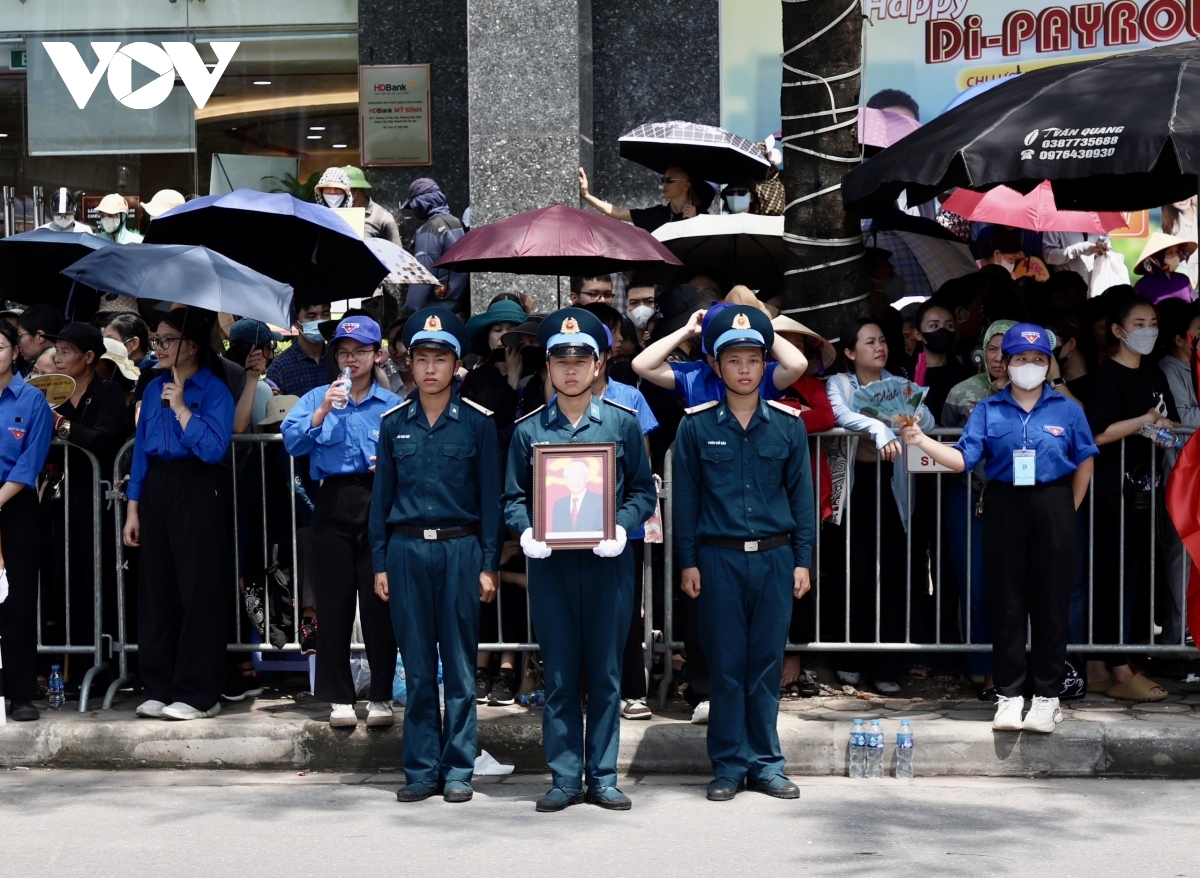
point(574, 495)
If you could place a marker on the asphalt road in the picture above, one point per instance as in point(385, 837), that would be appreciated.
point(213, 823)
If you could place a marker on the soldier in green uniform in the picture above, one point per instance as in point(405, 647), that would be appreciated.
point(744, 522)
point(580, 601)
point(435, 527)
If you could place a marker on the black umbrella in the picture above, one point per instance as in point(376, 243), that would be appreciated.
point(708, 152)
point(1115, 133)
point(305, 245)
point(194, 276)
point(31, 262)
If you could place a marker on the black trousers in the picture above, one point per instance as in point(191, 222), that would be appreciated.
point(1030, 540)
point(183, 577)
point(633, 665)
point(1109, 611)
point(21, 539)
point(344, 574)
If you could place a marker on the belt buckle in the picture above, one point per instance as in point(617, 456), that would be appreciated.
point(750, 546)
point(430, 534)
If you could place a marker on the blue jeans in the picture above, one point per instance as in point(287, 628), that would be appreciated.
point(958, 529)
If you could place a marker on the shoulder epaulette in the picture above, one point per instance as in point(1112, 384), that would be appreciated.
point(795, 413)
point(478, 407)
point(530, 415)
point(623, 408)
point(703, 407)
point(395, 408)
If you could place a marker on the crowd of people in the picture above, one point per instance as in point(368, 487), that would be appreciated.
point(434, 433)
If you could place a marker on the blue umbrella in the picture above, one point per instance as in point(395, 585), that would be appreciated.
point(194, 276)
point(975, 91)
point(32, 261)
point(299, 243)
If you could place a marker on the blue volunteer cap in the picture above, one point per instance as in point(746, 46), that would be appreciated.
point(436, 328)
point(252, 331)
point(360, 328)
point(739, 326)
point(1027, 337)
point(572, 332)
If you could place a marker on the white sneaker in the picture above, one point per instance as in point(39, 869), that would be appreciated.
point(850, 678)
point(1008, 714)
point(700, 714)
point(1043, 715)
point(151, 709)
point(635, 708)
point(379, 714)
point(180, 710)
point(343, 716)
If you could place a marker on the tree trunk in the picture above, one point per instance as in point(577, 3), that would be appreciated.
point(824, 281)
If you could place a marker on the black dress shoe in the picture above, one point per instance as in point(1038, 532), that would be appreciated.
point(777, 786)
point(609, 797)
point(559, 799)
point(457, 791)
point(416, 792)
point(723, 789)
point(24, 711)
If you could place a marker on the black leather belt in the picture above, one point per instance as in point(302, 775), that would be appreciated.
point(748, 545)
point(446, 533)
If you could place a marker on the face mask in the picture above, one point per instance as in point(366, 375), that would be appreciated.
point(333, 200)
point(64, 221)
point(110, 223)
point(1028, 376)
point(1141, 341)
point(738, 203)
point(940, 341)
point(311, 331)
point(1010, 267)
point(641, 316)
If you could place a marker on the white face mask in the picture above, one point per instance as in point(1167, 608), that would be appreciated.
point(1028, 376)
point(641, 315)
point(64, 220)
point(1141, 341)
point(334, 200)
point(1010, 267)
point(110, 223)
point(738, 203)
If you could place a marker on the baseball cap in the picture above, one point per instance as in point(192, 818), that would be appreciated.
point(84, 336)
point(277, 409)
point(1027, 337)
point(163, 200)
point(253, 331)
point(360, 328)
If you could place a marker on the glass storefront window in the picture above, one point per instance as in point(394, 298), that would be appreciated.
point(284, 107)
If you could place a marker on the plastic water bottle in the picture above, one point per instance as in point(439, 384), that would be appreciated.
point(904, 751)
point(57, 696)
point(875, 749)
point(1168, 439)
point(858, 750)
point(344, 381)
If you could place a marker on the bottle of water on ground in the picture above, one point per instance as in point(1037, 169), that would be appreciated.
point(57, 696)
point(875, 749)
point(858, 750)
point(904, 751)
point(344, 381)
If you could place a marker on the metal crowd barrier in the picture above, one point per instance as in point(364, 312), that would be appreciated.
point(829, 582)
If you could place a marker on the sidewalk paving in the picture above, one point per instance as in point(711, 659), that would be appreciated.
point(1099, 737)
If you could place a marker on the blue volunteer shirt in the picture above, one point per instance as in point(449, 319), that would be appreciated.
point(697, 383)
point(159, 434)
point(346, 440)
point(28, 427)
point(1056, 429)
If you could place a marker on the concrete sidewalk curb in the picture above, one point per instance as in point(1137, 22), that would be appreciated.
point(1158, 746)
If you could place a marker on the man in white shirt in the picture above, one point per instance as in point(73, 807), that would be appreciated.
point(1076, 251)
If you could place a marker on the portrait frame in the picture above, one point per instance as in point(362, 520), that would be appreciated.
point(595, 515)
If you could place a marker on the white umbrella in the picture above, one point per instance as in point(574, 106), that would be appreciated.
point(736, 248)
point(402, 266)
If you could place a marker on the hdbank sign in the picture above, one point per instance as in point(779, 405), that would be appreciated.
point(166, 61)
point(106, 95)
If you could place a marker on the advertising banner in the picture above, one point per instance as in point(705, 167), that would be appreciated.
point(394, 114)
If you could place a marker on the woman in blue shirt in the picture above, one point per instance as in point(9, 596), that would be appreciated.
point(339, 431)
point(26, 427)
point(179, 505)
point(1037, 451)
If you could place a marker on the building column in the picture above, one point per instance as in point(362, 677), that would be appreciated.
point(529, 93)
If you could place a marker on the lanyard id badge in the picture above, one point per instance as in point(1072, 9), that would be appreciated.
point(1024, 467)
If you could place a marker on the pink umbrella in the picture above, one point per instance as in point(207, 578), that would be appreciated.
point(882, 127)
point(1035, 211)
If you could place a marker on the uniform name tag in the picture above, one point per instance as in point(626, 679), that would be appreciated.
point(1024, 467)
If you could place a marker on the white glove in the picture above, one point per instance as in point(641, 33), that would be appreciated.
point(611, 548)
point(533, 548)
point(3, 585)
point(1074, 251)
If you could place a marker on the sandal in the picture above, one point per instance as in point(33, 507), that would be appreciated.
point(1139, 688)
point(919, 672)
point(807, 686)
point(789, 691)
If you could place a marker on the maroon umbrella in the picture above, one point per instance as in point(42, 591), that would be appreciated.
point(557, 240)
